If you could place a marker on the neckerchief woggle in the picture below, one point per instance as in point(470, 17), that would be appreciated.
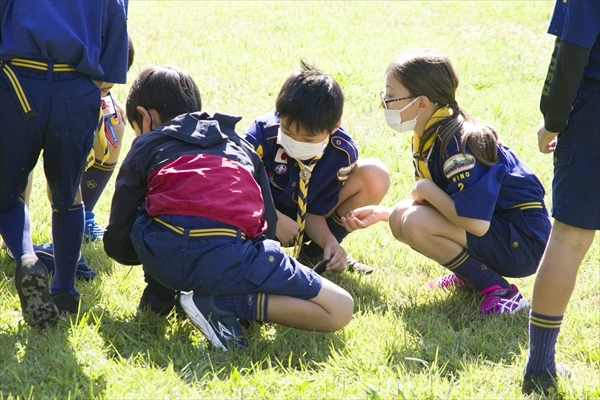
point(421, 165)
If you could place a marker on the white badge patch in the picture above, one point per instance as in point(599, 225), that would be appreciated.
point(343, 173)
point(458, 163)
point(281, 156)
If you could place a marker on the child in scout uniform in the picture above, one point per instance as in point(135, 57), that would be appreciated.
point(50, 55)
point(314, 170)
point(192, 205)
point(570, 104)
point(475, 208)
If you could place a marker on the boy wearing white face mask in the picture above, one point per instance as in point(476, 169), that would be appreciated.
point(476, 208)
point(314, 170)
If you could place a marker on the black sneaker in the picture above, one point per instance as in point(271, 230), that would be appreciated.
point(31, 280)
point(545, 382)
point(66, 303)
point(222, 328)
point(151, 301)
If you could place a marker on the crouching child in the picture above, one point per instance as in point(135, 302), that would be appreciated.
point(192, 205)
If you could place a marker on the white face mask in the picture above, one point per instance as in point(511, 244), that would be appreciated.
point(300, 150)
point(394, 120)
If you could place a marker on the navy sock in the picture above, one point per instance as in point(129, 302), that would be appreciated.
point(15, 228)
point(67, 232)
point(162, 292)
point(467, 267)
point(543, 333)
point(251, 307)
point(94, 182)
point(334, 223)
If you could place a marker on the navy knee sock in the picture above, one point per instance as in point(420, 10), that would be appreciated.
point(543, 334)
point(94, 182)
point(251, 307)
point(469, 268)
point(15, 228)
point(67, 232)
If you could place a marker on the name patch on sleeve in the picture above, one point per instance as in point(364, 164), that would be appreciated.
point(458, 163)
point(343, 173)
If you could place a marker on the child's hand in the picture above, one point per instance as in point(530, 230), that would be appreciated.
point(363, 217)
point(546, 140)
point(337, 256)
point(287, 229)
point(419, 190)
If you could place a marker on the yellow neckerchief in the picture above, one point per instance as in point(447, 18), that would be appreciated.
point(421, 165)
point(101, 137)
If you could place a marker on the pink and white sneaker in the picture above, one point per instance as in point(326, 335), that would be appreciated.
point(499, 300)
point(448, 282)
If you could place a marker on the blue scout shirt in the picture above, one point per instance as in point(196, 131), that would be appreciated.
point(89, 35)
point(327, 178)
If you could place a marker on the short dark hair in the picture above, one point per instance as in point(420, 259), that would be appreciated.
point(130, 54)
point(167, 89)
point(310, 99)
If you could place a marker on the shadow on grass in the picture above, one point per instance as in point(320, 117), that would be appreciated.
point(38, 363)
point(173, 342)
point(445, 333)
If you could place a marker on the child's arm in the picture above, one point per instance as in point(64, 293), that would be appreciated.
point(426, 191)
point(363, 217)
point(317, 229)
point(287, 229)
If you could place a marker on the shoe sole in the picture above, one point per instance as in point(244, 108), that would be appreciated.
point(32, 289)
point(366, 270)
point(198, 320)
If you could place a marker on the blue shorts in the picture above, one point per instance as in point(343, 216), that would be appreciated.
point(218, 265)
point(67, 106)
point(515, 242)
point(576, 183)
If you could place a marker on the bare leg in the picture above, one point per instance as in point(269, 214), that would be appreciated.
point(368, 183)
point(426, 230)
point(558, 269)
point(330, 311)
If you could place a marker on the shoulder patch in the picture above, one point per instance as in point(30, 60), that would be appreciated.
point(259, 151)
point(458, 163)
point(344, 172)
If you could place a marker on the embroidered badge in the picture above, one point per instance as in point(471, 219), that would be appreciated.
point(281, 156)
point(458, 163)
point(343, 173)
point(280, 169)
point(259, 151)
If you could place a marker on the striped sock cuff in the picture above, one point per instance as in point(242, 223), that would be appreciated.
point(262, 301)
point(458, 260)
point(545, 321)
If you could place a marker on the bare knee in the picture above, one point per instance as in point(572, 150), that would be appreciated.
point(343, 312)
point(396, 218)
point(378, 176)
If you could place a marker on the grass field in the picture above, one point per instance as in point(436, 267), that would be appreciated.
point(404, 341)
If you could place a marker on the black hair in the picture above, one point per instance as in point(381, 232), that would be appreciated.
point(130, 54)
point(311, 100)
point(431, 74)
point(167, 89)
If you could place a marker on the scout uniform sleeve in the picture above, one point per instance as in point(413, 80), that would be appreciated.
point(562, 81)
point(130, 192)
point(473, 186)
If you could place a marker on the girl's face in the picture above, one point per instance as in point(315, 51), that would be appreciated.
point(395, 96)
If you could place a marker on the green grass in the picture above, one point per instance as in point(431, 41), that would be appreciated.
point(404, 342)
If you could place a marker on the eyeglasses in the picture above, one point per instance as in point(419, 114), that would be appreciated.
point(385, 102)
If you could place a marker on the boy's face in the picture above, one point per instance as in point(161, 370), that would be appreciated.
point(299, 134)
